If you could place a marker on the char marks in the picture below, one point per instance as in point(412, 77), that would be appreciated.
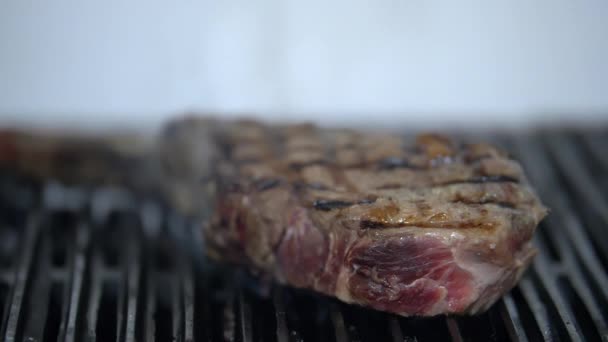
point(422, 182)
point(483, 180)
point(443, 220)
point(327, 205)
point(391, 163)
point(266, 184)
point(484, 202)
point(371, 224)
point(338, 169)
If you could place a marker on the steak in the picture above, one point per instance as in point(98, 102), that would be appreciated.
point(410, 225)
point(420, 226)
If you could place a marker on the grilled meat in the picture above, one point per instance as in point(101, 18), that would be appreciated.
point(422, 228)
point(119, 159)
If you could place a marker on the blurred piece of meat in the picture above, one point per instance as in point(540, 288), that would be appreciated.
point(71, 157)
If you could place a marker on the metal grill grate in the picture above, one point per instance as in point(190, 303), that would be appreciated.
point(79, 265)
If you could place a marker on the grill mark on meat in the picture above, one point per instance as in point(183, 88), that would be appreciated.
point(327, 205)
point(392, 163)
point(317, 186)
point(266, 184)
point(373, 224)
point(484, 179)
point(501, 204)
point(368, 200)
point(477, 159)
point(506, 201)
point(507, 196)
point(391, 216)
point(441, 160)
point(392, 186)
point(474, 180)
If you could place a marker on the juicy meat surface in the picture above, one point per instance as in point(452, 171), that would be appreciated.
point(419, 226)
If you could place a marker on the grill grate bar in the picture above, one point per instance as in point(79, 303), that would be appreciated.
point(355, 331)
point(77, 280)
point(204, 321)
point(280, 316)
point(294, 319)
point(176, 312)
point(244, 318)
point(21, 278)
point(510, 316)
point(164, 314)
point(395, 329)
point(548, 282)
point(121, 302)
point(454, 329)
point(4, 288)
point(539, 311)
point(229, 320)
point(150, 305)
point(133, 277)
point(185, 281)
point(188, 299)
point(94, 299)
point(37, 300)
point(338, 322)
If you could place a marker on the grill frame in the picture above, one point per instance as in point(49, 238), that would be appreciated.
point(128, 269)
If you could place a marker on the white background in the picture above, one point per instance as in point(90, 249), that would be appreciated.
point(136, 62)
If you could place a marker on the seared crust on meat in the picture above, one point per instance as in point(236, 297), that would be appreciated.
point(425, 228)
